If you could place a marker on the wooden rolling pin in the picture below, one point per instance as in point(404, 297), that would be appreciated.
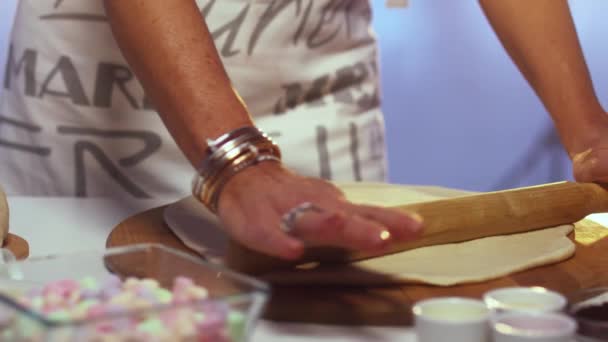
point(462, 219)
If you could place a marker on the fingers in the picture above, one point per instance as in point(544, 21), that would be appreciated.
point(402, 226)
point(276, 243)
point(341, 230)
point(358, 227)
point(270, 240)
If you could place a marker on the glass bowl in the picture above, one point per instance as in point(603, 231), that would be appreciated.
point(239, 298)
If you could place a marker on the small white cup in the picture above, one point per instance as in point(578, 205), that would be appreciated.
point(452, 319)
point(530, 327)
point(524, 299)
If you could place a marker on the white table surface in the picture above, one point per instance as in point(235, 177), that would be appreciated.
point(63, 225)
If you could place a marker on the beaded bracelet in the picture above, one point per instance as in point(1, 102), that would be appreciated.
point(228, 155)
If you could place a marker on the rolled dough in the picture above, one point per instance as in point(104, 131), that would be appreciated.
point(3, 216)
point(444, 265)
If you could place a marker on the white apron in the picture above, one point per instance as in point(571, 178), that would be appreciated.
point(75, 122)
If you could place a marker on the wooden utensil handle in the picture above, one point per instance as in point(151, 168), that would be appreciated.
point(465, 218)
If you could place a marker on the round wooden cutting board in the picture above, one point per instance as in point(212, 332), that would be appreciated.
point(391, 305)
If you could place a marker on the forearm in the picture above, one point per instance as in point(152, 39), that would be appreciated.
point(540, 37)
point(169, 48)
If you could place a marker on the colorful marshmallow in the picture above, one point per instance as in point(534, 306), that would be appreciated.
point(133, 310)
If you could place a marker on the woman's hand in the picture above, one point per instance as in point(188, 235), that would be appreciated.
point(590, 156)
point(253, 203)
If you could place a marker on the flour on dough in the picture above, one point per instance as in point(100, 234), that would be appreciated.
point(449, 264)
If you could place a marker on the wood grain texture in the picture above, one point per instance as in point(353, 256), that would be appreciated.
point(391, 305)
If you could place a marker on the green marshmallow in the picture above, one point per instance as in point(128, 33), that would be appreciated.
point(164, 296)
point(151, 326)
point(236, 326)
point(60, 316)
point(89, 283)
